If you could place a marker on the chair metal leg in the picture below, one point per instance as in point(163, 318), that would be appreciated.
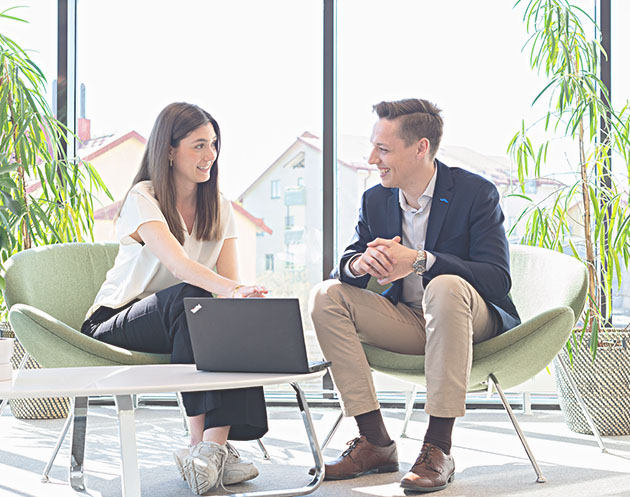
point(411, 399)
point(25, 358)
point(527, 403)
point(263, 449)
point(78, 443)
point(180, 404)
point(580, 400)
point(60, 439)
point(332, 431)
point(540, 478)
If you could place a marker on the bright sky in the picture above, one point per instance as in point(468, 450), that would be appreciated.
point(257, 67)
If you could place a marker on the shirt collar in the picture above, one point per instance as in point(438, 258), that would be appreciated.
point(423, 200)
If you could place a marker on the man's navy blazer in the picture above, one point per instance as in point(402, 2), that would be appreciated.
point(465, 234)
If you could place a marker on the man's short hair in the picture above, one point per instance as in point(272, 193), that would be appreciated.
point(418, 119)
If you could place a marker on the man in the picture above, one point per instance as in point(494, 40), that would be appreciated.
point(436, 233)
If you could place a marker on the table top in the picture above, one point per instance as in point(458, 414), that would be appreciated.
point(125, 380)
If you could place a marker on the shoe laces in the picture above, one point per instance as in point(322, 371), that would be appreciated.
point(232, 452)
point(218, 456)
point(424, 456)
point(221, 470)
point(352, 445)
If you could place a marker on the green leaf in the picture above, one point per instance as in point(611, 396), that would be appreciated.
point(4, 14)
point(13, 205)
point(7, 168)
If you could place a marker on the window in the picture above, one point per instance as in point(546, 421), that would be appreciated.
point(300, 181)
point(531, 186)
point(203, 72)
point(289, 221)
point(297, 161)
point(268, 262)
point(620, 75)
point(471, 140)
point(275, 188)
point(38, 36)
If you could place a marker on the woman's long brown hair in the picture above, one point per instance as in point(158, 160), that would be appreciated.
point(175, 122)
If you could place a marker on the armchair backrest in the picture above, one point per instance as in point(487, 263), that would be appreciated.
point(61, 279)
point(543, 279)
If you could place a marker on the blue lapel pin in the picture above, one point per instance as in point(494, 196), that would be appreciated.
point(444, 200)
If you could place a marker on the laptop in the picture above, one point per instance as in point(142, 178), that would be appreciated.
point(259, 335)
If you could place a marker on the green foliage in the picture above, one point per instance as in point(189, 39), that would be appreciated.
point(578, 101)
point(45, 197)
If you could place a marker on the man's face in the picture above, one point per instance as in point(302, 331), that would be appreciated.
point(396, 162)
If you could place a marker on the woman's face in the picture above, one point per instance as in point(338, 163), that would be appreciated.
point(195, 155)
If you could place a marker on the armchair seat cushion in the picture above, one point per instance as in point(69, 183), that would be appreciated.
point(549, 291)
point(55, 344)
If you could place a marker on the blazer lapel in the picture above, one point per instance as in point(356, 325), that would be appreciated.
point(394, 216)
point(440, 203)
point(393, 228)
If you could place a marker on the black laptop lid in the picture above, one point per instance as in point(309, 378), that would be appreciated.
point(261, 335)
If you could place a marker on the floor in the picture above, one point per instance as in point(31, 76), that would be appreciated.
point(489, 458)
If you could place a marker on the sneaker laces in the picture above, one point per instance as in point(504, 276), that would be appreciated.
point(221, 469)
point(221, 465)
point(217, 457)
point(232, 451)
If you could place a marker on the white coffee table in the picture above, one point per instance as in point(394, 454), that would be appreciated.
point(124, 381)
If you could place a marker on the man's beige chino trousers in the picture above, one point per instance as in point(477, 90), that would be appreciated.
point(453, 317)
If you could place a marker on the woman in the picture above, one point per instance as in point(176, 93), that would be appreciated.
point(174, 227)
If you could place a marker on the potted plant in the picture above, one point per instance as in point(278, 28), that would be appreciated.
point(588, 215)
point(45, 197)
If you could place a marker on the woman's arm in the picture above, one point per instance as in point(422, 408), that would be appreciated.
point(160, 241)
point(227, 263)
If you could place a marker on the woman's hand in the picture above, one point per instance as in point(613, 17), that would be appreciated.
point(249, 291)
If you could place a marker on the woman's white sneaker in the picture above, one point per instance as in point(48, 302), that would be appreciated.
point(236, 468)
point(180, 455)
point(204, 466)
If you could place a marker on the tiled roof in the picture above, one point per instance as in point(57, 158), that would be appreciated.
point(256, 220)
point(94, 147)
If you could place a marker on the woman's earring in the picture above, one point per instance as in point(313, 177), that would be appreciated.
point(170, 162)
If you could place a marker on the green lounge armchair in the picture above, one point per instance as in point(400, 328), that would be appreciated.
point(549, 290)
point(48, 291)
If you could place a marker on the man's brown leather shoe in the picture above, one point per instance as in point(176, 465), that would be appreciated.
point(361, 458)
point(433, 470)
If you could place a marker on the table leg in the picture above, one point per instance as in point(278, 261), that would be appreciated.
point(77, 451)
point(130, 473)
point(317, 455)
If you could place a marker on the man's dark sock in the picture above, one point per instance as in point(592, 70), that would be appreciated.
point(439, 433)
point(372, 426)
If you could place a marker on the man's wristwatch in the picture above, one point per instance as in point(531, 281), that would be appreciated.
point(419, 266)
